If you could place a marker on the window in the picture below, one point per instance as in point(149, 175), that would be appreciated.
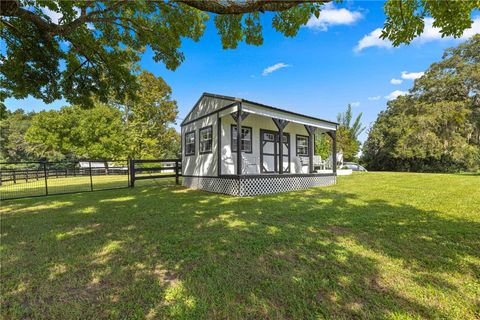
point(190, 143)
point(246, 139)
point(302, 145)
point(205, 140)
point(267, 136)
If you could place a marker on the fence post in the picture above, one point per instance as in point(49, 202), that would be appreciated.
point(26, 175)
point(177, 182)
point(90, 171)
point(131, 168)
point(46, 177)
point(14, 177)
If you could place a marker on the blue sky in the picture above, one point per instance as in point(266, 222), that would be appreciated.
point(334, 60)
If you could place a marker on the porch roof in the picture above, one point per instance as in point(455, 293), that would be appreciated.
point(272, 112)
point(260, 109)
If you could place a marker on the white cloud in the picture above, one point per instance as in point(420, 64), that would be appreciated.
point(473, 30)
point(396, 81)
point(395, 94)
point(374, 98)
point(412, 75)
point(355, 104)
point(56, 16)
point(331, 16)
point(430, 33)
point(372, 40)
point(274, 68)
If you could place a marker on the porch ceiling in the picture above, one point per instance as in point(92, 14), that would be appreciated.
point(279, 114)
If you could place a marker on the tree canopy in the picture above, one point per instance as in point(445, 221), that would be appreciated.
point(74, 132)
point(436, 127)
point(138, 128)
point(88, 52)
point(13, 126)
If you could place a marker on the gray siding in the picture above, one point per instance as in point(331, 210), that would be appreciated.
point(200, 164)
point(206, 105)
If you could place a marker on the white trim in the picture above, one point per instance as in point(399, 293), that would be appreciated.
point(228, 111)
point(250, 108)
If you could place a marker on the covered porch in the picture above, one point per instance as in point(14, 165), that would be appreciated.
point(255, 150)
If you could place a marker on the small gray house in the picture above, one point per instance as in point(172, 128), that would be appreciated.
point(232, 146)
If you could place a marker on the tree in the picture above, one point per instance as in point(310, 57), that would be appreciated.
point(437, 126)
point(13, 146)
point(73, 132)
point(148, 116)
point(139, 128)
point(347, 144)
point(345, 119)
point(4, 113)
point(89, 51)
point(323, 145)
point(347, 137)
point(347, 133)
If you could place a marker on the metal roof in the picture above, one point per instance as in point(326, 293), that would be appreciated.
point(234, 99)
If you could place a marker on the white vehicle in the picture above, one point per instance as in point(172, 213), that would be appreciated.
point(354, 166)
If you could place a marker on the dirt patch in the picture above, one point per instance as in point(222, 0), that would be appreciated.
point(375, 285)
point(338, 230)
point(167, 277)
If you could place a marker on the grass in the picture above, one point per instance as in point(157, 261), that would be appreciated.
point(377, 245)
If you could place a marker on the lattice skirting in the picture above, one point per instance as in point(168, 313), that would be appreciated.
point(250, 186)
point(213, 184)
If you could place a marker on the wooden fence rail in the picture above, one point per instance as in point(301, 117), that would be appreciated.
point(150, 169)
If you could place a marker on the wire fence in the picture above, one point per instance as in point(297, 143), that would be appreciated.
point(35, 179)
point(32, 179)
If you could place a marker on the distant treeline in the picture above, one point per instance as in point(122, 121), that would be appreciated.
point(436, 126)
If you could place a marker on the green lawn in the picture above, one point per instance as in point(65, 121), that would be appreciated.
point(377, 245)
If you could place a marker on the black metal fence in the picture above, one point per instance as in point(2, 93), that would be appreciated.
point(31, 179)
point(34, 179)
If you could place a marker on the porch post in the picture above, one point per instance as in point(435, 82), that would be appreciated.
point(310, 152)
point(239, 139)
point(333, 135)
point(219, 145)
point(280, 151)
point(311, 137)
point(281, 124)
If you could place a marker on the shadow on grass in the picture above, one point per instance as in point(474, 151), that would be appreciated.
point(171, 252)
